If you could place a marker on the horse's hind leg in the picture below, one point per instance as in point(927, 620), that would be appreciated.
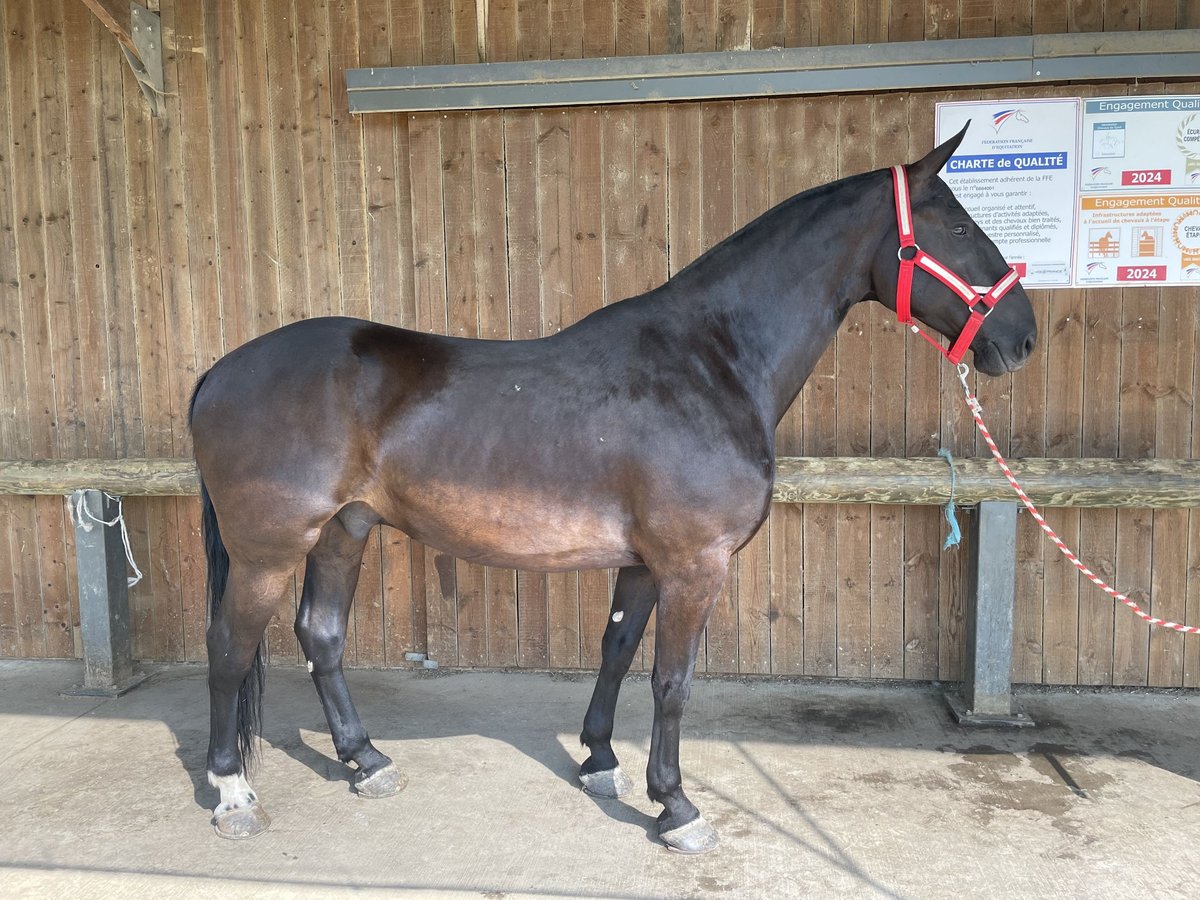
point(329, 581)
point(249, 600)
point(633, 599)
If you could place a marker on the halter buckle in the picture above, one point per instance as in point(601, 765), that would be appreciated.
point(914, 247)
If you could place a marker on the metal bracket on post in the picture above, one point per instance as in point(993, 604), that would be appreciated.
point(103, 599)
point(986, 697)
point(147, 64)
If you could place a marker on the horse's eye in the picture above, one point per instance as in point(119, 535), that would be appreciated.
point(960, 230)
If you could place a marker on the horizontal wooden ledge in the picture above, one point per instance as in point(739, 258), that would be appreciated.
point(1146, 483)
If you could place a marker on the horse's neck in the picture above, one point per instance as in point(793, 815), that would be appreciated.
point(776, 292)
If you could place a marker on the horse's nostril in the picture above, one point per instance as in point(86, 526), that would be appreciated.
point(1027, 347)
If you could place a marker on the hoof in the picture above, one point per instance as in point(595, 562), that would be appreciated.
point(697, 836)
point(387, 782)
point(243, 822)
point(611, 783)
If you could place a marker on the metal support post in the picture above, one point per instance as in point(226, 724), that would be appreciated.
point(103, 599)
point(986, 697)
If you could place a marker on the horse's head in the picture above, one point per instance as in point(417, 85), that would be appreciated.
point(945, 232)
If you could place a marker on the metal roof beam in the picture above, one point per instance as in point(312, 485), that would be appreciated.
point(854, 68)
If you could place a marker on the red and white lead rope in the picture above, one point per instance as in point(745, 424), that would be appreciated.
point(977, 414)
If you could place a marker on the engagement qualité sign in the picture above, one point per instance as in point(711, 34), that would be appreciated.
point(1097, 192)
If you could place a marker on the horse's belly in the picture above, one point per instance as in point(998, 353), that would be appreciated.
point(515, 530)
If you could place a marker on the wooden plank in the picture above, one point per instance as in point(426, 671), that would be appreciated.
point(1098, 528)
point(233, 264)
point(835, 24)
point(38, 218)
point(555, 243)
point(290, 251)
point(14, 411)
point(29, 222)
point(768, 24)
point(754, 151)
point(315, 121)
point(818, 401)
point(520, 148)
point(871, 20)
point(1134, 570)
point(426, 158)
point(10, 641)
point(732, 25)
point(56, 619)
point(922, 527)
point(192, 107)
point(888, 345)
point(566, 29)
point(718, 221)
point(1014, 18)
point(349, 195)
point(1061, 482)
point(941, 19)
point(171, 189)
point(631, 31)
point(461, 214)
point(977, 19)
point(368, 631)
point(1173, 422)
point(599, 30)
point(467, 43)
point(803, 23)
point(66, 386)
point(787, 175)
point(1064, 399)
point(699, 26)
point(1028, 438)
point(852, 523)
point(154, 602)
point(906, 20)
point(397, 577)
point(533, 28)
point(1050, 17)
point(491, 289)
point(587, 290)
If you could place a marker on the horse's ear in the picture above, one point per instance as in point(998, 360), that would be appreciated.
point(926, 168)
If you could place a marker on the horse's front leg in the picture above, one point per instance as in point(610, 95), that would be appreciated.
point(685, 601)
point(633, 599)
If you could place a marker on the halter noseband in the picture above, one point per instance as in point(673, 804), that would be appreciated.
point(918, 258)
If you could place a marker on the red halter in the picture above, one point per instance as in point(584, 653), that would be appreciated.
point(972, 296)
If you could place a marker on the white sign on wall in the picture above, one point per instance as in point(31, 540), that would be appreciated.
point(1111, 182)
point(1016, 172)
point(1139, 192)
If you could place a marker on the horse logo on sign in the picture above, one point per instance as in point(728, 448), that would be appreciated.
point(999, 118)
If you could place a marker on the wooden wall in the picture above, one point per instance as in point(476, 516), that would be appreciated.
point(134, 252)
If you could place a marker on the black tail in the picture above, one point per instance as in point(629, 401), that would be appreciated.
point(249, 717)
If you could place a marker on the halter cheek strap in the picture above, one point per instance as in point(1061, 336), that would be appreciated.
point(980, 302)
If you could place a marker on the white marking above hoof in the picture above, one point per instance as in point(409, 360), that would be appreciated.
point(611, 783)
point(235, 792)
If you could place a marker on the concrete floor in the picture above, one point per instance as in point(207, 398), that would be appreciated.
point(818, 790)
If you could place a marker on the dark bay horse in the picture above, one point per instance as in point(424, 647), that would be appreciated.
point(642, 438)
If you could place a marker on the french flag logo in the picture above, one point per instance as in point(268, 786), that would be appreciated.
point(1101, 170)
point(999, 118)
point(1096, 267)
